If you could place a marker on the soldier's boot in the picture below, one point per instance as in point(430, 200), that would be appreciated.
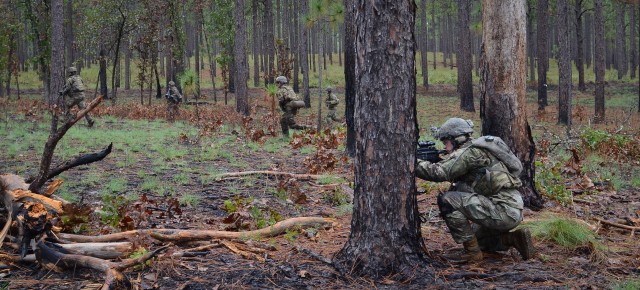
point(521, 240)
point(285, 129)
point(472, 253)
point(90, 123)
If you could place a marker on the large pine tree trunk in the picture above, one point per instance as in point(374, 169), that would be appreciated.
point(385, 230)
point(503, 86)
point(579, 45)
point(621, 47)
point(464, 58)
point(543, 51)
point(564, 64)
point(350, 74)
point(599, 61)
point(241, 66)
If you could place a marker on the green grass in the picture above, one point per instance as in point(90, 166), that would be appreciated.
point(189, 199)
point(150, 184)
point(632, 284)
point(182, 178)
point(565, 232)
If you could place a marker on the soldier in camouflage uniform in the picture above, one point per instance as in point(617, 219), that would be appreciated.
point(174, 98)
point(483, 203)
point(286, 95)
point(332, 105)
point(73, 94)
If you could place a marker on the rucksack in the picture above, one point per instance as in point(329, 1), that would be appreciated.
point(502, 173)
point(498, 148)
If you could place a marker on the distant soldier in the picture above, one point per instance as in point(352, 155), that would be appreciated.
point(332, 105)
point(174, 98)
point(73, 94)
point(289, 103)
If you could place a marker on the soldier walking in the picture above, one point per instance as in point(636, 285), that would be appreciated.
point(73, 95)
point(174, 98)
point(289, 103)
point(332, 105)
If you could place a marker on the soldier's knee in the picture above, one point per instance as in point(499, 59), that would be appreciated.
point(445, 205)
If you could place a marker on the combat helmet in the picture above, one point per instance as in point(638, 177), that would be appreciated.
point(282, 80)
point(171, 83)
point(72, 70)
point(454, 127)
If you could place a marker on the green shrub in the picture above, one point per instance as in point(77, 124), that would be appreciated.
point(551, 183)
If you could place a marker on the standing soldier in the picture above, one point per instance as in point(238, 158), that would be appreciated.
point(483, 204)
point(73, 94)
point(289, 103)
point(174, 98)
point(332, 105)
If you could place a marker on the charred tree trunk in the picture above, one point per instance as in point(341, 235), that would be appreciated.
point(564, 65)
point(385, 229)
point(503, 86)
point(241, 66)
point(542, 52)
point(464, 58)
point(103, 72)
point(599, 61)
point(350, 74)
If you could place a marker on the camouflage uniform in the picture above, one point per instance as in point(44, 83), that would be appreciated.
point(286, 95)
point(73, 94)
point(174, 98)
point(471, 198)
point(332, 105)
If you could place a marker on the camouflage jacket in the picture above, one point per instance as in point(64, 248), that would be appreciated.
point(173, 95)
point(473, 169)
point(285, 95)
point(73, 86)
point(331, 101)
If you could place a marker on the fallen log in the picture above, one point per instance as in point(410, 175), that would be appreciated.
point(114, 279)
point(179, 236)
point(617, 225)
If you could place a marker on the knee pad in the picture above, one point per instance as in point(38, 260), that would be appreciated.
point(445, 207)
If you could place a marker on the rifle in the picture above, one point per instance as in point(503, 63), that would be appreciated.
point(427, 151)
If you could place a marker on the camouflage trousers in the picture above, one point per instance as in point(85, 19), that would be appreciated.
point(75, 100)
point(288, 121)
point(468, 214)
point(331, 116)
point(172, 111)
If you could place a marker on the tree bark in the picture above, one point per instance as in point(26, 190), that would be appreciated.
point(304, 56)
point(531, 52)
point(127, 64)
point(579, 45)
point(564, 64)
point(435, 36)
point(57, 57)
point(542, 52)
point(621, 47)
point(103, 71)
point(599, 61)
point(269, 40)
point(633, 35)
point(385, 234)
point(350, 74)
point(464, 58)
point(424, 64)
point(70, 57)
point(255, 47)
point(503, 86)
point(241, 66)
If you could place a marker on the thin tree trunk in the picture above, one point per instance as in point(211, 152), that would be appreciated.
point(599, 61)
point(255, 47)
point(633, 35)
point(385, 234)
point(530, 44)
point(542, 52)
point(57, 56)
point(103, 71)
point(621, 48)
point(503, 86)
point(269, 40)
point(320, 59)
point(564, 64)
point(424, 65)
point(240, 55)
point(70, 57)
point(464, 57)
point(435, 39)
point(304, 56)
point(580, 45)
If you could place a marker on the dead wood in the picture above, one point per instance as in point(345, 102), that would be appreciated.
point(55, 134)
point(314, 255)
point(245, 254)
point(298, 176)
point(617, 225)
point(100, 250)
point(81, 160)
point(181, 236)
point(186, 252)
point(114, 279)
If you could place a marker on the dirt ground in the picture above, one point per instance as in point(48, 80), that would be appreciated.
point(289, 265)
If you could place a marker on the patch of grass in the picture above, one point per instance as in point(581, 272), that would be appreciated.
point(330, 179)
point(279, 194)
point(565, 232)
point(65, 194)
point(344, 209)
point(91, 179)
point(116, 185)
point(291, 235)
point(633, 284)
point(150, 184)
point(189, 199)
point(336, 197)
point(227, 156)
point(182, 178)
point(139, 252)
point(307, 150)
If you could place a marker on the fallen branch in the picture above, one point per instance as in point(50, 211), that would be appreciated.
point(114, 278)
point(247, 255)
point(186, 252)
point(298, 176)
point(82, 160)
point(315, 255)
point(179, 236)
point(617, 225)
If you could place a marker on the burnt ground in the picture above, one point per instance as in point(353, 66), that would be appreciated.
point(288, 266)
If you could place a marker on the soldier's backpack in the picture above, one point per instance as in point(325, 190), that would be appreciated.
point(498, 175)
point(77, 85)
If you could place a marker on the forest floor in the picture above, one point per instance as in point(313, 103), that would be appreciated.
point(156, 164)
